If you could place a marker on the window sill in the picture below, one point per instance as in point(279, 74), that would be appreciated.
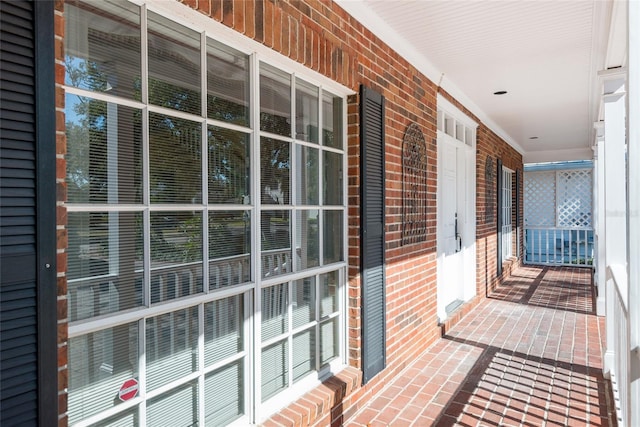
point(326, 404)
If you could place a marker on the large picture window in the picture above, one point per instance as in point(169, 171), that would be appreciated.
point(206, 222)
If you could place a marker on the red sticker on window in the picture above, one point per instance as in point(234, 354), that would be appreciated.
point(129, 390)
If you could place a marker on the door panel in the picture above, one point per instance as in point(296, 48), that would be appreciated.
point(451, 197)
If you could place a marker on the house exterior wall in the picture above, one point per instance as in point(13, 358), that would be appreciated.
point(324, 38)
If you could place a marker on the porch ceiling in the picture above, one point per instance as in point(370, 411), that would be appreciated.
point(545, 54)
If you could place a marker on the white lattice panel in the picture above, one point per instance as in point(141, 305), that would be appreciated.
point(575, 191)
point(540, 199)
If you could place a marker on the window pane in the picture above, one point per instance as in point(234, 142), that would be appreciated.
point(171, 346)
point(328, 340)
point(177, 408)
point(304, 301)
point(174, 160)
point(333, 237)
point(104, 152)
point(307, 190)
point(229, 248)
point(275, 169)
point(332, 179)
point(223, 326)
point(306, 111)
point(224, 395)
point(105, 251)
point(174, 65)
point(99, 365)
point(304, 353)
point(307, 239)
point(329, 284)
point(276, 243)
point(227, 84)
point(127, 419)
point(275, 320)
point(176, 239)
point(275, 100)
point(275, 369)
point(102, 47)
point(228, 173)
point(331, 120)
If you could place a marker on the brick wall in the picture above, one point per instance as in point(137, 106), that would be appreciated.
point(325, 38)
point(61, 214)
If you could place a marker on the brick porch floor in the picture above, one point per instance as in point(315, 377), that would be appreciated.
point(531, 354)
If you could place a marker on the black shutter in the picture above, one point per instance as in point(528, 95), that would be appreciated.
point(28, 354)
point(372, 232)
point(499, 215)
point(518, 225)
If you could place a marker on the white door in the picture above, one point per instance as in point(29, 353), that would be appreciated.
point(450, 245)
point(456, 213)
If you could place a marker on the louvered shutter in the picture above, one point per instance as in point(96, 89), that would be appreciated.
point(372, 232)
point(500, 214)
point(517, 221)
point(27, 315)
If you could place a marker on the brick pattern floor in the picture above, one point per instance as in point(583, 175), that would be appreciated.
point(529, 355)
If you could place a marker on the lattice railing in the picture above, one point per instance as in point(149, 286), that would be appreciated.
point(558, 217)
point(540, 198)
point(562, 198)
point(575, 192)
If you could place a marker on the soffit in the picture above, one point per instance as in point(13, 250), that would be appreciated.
point(545, 54)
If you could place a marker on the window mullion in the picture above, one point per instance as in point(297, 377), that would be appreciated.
point(200, 349)
point(321, 201)
point(317, 328)
point(146, 198)
point(255, 356)
point(145, 55)
point(146, 215)
point(204, 150)
point(250, 348)
point(205, 211)
point(293, 186)
point(289, 302)
point(142, 375)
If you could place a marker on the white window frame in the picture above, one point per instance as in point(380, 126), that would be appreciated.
point(255, 410)
point(507, 213)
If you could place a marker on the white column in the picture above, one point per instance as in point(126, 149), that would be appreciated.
point(599, 220)
point(615, 204)
point(633, 253)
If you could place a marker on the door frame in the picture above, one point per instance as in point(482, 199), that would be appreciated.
point(456, 128)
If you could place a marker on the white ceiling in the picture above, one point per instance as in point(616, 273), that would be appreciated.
point(546, 54)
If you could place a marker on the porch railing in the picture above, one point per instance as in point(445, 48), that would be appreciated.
point(276, 262)
point(559, 246)
point(616, 292)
